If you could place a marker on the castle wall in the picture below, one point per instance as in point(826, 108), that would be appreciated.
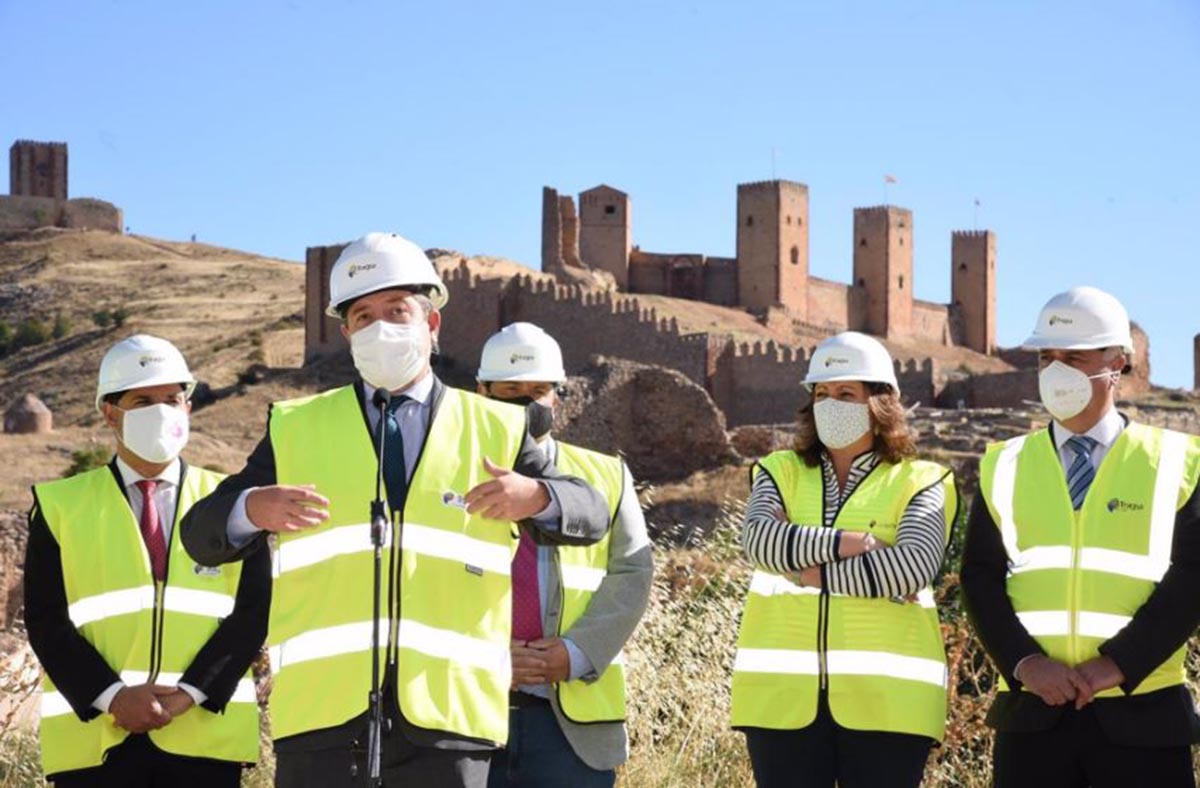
point(721, 281)
point(931, 323)
point(829, 305)
point(29, 213)
point(605, 231)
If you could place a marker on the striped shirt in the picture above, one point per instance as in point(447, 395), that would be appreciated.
point(774, 544)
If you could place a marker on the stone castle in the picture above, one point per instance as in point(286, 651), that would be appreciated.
point(37, 193)
point(770, 273)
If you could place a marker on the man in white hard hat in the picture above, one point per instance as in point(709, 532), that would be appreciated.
point(146, 653)
point(574, 608)
point(1081, 571)
point(462, 478)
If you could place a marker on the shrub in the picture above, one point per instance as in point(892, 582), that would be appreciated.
point(119, 316)
point(88, 458)
point(102, 318)
point(30, 332)
point(62, 326)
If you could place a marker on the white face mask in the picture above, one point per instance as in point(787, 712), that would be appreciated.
point(389, 355)
point(839, 423)
point(1066, 391)
point(156, 433)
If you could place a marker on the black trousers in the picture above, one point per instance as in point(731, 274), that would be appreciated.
point(1075, 753)
point(825, 753)
point(403, 764)
point(137, 763)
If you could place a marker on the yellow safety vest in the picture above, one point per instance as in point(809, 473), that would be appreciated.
point(451, 620)
point(581, 569)
point(146, 631)
point(881, 660)
point(1077, 578)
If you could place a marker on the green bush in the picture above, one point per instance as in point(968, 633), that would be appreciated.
point(119, 316)
point(102, 318)
point(6, 339)
point(87, 459)
point(30, 332)
point(62, 326)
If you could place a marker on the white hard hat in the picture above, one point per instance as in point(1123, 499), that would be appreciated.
point(851, 356)
point(521, 352)
point(379, 261)
point(140, 361)
point(1083, 318)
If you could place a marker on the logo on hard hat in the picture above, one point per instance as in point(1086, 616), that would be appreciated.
point(831, 360)
point(1056, 319)
point(515, 357)
point(145, 361)
point(359, 267)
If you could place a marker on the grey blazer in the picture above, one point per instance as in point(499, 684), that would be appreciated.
point(610, 619)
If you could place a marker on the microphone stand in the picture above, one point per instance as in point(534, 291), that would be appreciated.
point(378, 525)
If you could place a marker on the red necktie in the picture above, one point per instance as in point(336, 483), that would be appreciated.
point(152, 533)
point(526, 604)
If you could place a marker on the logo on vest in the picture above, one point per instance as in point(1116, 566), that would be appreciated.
point(451, 498)
point(1117, 505)
point(207, 571)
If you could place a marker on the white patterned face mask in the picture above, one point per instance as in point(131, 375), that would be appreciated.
point(839, 424)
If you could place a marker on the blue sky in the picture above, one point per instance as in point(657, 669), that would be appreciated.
point(270, 126)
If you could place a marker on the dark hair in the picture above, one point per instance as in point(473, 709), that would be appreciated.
point(894, 439)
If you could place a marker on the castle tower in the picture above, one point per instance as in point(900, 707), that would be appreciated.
point(973, 287)
point(38, 169)
point(883, 264)
point(772, 245)
point(552, 252)
point(605, 231)
point(322, 334)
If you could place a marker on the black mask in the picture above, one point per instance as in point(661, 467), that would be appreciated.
point(540, 417)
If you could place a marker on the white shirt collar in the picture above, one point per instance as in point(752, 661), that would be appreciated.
point(418, 391)
point(1105, 432)
point(130, 477)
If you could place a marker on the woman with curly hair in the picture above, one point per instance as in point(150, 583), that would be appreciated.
point(840, 673)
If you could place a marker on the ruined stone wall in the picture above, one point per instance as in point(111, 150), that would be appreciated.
point(322, 334)
point(721, 281)
point(647, 274)
point(474, 312)
point(30, 213)
point(1003, 390)
point(931, 323)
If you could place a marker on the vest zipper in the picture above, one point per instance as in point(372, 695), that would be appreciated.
point(823, 607)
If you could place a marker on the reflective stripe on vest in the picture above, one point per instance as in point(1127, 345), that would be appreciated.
point(453, 621)
point(1077, 578)
point(581, 570)
point(112, 600)
point(881, 661)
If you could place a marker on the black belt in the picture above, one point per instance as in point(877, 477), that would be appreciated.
point(524, 700)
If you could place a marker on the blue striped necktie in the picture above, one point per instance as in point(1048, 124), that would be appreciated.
point(395, 477)
point(1082, 471)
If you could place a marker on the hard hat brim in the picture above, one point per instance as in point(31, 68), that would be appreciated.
point(436, 291)
point(189, 386)
point(810, 382)
point(524, 377)
point(1037, 342)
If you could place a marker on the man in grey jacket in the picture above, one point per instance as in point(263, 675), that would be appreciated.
point(574, 608)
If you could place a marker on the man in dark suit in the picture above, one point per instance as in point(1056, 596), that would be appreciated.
point(460, 473)
point(1081, 572)
point(146, 653)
